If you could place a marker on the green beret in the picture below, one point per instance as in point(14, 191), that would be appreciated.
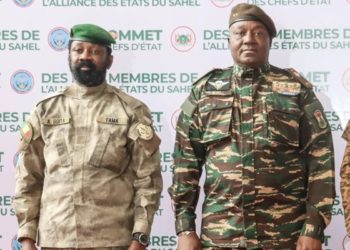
point(251, 12)
point(91, 33)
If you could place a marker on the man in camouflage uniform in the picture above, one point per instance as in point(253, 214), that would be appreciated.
point(345, 178)
point(88, 175)
point(266, 146)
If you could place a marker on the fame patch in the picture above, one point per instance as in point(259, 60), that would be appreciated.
point(145, 131)
point(26, 132)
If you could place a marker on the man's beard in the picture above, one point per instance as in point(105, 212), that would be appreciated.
point(90, 78)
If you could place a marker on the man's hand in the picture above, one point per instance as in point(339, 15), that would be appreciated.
point(189, 242)
point(308, 243)
point(28, 244)
point(135, 245)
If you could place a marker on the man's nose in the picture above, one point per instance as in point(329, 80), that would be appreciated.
point(249, 37)
point(85, 55)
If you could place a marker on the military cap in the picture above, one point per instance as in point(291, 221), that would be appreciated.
point(251, 12)
point(91, 33)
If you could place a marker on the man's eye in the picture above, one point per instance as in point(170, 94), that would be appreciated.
point(79, 51)
point(96, 52)
point(239, 35)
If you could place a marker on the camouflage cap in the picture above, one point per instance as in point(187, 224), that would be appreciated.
point(91, 33)
point(251, 12)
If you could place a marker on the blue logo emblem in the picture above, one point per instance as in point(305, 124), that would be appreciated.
point(23, 3)
point(15, 244)
point(59, 38)
point(22, 81)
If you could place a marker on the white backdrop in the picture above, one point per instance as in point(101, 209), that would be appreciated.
point(162, 47)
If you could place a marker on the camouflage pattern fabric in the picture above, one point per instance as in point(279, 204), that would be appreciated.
point(266, 148)
point(345, 178)
point(86, 176)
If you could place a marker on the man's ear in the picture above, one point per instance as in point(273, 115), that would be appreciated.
point(110, 61)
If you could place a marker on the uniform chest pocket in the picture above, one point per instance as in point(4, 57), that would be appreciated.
point(109, 148)
point(284, 126)
point(216, 115)
point(55, 132)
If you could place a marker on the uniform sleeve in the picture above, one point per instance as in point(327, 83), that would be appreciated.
point(345, 178)
point(145, 160)
point(29, 178)
point(317, 149)
point(188, 160)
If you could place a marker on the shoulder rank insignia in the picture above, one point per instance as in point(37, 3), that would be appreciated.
point(145, 132)
point(204, 77)
point(286, 88)
point(26, 132)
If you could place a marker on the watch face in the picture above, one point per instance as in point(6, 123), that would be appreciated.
point(144, 239)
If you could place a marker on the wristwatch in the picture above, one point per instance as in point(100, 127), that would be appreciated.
point(143, 239)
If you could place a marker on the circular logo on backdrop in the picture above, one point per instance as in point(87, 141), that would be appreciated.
point(22, 81)
point(58, 38)
point(23, 3)
point(346, 243)
point(175, 117)
point(15, 245)
point(346, 79)
point(183, 38)
point(223, 3)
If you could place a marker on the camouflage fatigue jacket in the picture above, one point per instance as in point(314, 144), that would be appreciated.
point(345, 178)
point(267, 153)
point(89, 170)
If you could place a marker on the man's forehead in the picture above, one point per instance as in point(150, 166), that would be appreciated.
point(88, 44)
point(248, 24)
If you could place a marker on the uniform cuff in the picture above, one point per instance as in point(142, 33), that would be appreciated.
point(142, 226)
point(29, 230)
point(184, 225)
point(312, 231)
point(314, 224)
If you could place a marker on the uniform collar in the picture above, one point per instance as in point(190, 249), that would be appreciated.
point(239, 70)
point(80, 91)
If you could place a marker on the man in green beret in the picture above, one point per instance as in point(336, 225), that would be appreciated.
point(88, 175)
point(261, 136)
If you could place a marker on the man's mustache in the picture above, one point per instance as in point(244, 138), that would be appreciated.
point(86, 63)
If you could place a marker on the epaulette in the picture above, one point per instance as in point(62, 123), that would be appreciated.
point(136, 106)
point(206, 75)
point(298, 77)
point(58, 93)
point(131, 101)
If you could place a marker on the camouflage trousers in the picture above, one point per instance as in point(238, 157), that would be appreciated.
point(97, 248)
